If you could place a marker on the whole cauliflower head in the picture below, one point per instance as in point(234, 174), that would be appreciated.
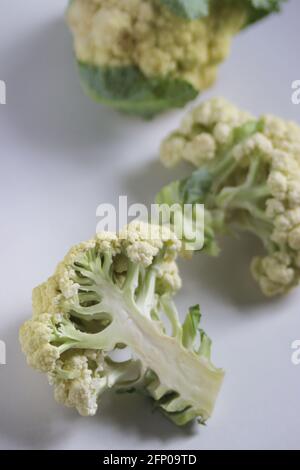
point(248, 177)
point(144, 56)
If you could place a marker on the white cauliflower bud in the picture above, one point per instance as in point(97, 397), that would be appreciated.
point(199, 150)
point(36, 336)
point(278, 185)
point(76, 385)
point(168, 277)
point(171, 151)
point(44, 297)
point(222, 133)
point(143, 242)
point(257, 143)
point(273, 273)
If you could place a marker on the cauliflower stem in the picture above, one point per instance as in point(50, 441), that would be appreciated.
point(113, 293)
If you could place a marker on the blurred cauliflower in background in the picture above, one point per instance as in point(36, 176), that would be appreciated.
point(146, 56)
point(248, 176)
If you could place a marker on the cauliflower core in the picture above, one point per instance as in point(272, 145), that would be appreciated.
point(248, 176)
point(148, 35)
point(110, 293)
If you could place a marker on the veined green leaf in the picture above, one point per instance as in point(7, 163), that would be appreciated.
point(190, 327)
point(193, 9)
point(195, 188)
point(261, 8)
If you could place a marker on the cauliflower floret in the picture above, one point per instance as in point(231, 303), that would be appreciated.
point(172, 150)
point(257, 143)
point(115, 292)
point(200, 150)
point(36, 336)
point(143, 242)
point(247, 177)
point(168, 277)
point(45, 296)
point(77, 384)
point(273, 273)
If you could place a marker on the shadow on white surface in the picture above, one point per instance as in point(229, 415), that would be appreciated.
point(46, 104)
point(136, 414)
point(144, 182)
point(226, 276)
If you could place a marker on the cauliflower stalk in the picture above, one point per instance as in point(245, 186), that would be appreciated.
point(248, 176)
point(146, 56)
point(110, 293)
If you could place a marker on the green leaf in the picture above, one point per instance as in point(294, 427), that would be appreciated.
point(127, 89)
point(247, 130)
point(194, 9)
point(205, 346)
point(189, 9)
point(262, 8)
point(194, 189)
point(268, 5)
point(170, 194)
point(190, 327)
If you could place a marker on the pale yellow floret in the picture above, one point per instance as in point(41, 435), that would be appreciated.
point(142, 242)
point(219, 110)
point(172, 151)
point(257, 144)
point(43, 297)
point(199, 150)
point(35, 338)
point(274, 208)
point(218, 118)
point(294, 189)
point(274, 273)
point(278, 185)
point(294, 239)
point(81, 390)
point(222, 133)
point(168, 277)
point(148, 35)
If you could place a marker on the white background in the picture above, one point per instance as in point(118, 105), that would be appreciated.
point(61, 155)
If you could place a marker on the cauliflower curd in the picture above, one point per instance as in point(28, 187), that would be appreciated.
point(248, 177)
point(147, 34)
point(110, 293)
point(144, 56)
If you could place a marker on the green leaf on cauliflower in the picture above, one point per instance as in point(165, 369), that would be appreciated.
point(193, 9)
point(127, 89)
point(262, 8)
point(195, 188)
